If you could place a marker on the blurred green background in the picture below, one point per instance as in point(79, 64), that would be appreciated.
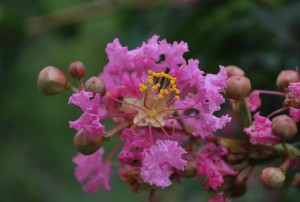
point(260, 36)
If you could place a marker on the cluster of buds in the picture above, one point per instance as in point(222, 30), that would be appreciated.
point(164, 115)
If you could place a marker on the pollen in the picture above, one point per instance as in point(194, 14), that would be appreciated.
point(160, 84)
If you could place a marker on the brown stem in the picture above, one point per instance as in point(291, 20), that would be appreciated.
point(277, 111)
point(152, 197)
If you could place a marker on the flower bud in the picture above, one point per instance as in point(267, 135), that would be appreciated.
point(284, 127)
point(87, 145)
point(285, 77)
point(272, 178)
point(233, 70)
point(51, 80)
point(238, 87)
point(95, 85)
point(296, 182)
point(77, 70)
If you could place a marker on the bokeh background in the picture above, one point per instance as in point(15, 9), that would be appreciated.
point(260, 36)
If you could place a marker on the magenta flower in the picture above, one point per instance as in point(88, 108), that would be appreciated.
point(260, 131)
point(138, 80)
point(160, 161)
point(295, 114)
point(92, 171)
point(156, 92)
point(218, 198)
point(253, 101)
point(92, 112)
point(211, 165)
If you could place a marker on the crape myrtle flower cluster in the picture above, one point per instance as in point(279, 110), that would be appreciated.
point(164, 113)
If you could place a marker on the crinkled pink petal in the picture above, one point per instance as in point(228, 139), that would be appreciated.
point(117, 57)
point(205, 125)
point(92, 171)
point(295, 114)
point(260, 131)
point(88, 103)
point(81, 99)
point(211, 165)
point(217, 82)
point(135, 147)
point(159, 162)
point(92, 109)
point(253, 101)
point(90, 123)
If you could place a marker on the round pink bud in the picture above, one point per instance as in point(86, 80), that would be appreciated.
point(285, 77)
point(284, 127)
point(296, 182)
point(233, 70)
point(77, 70)
point(51, 80)
point(87, 145)
point(272, 178)
point(238, 87)
point(95, 85)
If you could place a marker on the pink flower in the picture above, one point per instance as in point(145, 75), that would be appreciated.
point(260, 131)
point(134, 76)
point(218, 198)
point(211, 165)
point(92, 112)
point(295, 114)
point(160, 161)
point(253, 101)
point(92, 171)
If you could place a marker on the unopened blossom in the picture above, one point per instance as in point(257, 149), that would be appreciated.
point(260, 131)
point(295, 114)
point(160, 161)
point(92, 171)
point(253, 101)
point(218, 198)
point(92, 112)
point(211, 165)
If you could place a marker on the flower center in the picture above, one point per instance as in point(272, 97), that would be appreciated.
point(157, 94)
